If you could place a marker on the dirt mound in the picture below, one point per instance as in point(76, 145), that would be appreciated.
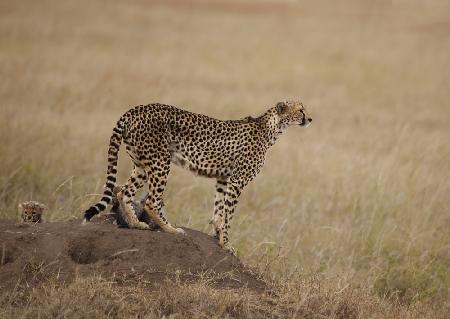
point(30, 254)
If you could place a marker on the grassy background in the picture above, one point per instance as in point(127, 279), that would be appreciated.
point(361, 197)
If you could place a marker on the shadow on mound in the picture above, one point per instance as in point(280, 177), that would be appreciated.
point(31, 254)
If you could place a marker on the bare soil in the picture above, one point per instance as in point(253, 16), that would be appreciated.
point(34, 253)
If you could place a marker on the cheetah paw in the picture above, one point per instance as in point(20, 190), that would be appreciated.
point(141, 225)
point(180, 231)
point(230, 249)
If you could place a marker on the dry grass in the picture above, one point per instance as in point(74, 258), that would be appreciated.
point(360, 198)
point(100, 298)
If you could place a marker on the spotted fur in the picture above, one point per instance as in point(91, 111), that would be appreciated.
point(232, 152)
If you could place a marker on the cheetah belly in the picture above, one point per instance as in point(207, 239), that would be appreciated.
point(201, 169)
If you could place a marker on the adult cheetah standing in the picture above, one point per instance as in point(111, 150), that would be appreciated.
point(232, 152)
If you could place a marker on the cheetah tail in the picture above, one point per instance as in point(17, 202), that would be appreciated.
point(113, 155)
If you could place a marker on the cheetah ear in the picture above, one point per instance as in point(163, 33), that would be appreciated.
point(281, 107)
point(20, 206)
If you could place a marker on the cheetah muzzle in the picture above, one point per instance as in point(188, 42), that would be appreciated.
point(231, 151)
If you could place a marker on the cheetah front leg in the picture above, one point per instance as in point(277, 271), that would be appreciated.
point(230, 201)
point(218, 214)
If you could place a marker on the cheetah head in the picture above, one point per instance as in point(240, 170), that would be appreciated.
point(31, 212)
point(292, 113)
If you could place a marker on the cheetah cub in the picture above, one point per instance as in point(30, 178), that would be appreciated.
point(31, 212)
point(158, 135)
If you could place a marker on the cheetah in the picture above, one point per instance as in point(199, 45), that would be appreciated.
point(31, 212)
point(230, 151)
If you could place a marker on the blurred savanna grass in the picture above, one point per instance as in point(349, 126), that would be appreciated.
point(361, 197)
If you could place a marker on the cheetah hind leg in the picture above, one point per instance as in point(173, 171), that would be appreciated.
point(158, 216)
point(129, 215)
point(154, 205)
point(126, 196)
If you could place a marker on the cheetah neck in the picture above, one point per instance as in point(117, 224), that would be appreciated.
point(271, 128)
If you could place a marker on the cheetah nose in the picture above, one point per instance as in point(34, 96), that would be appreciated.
point(309, 120)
